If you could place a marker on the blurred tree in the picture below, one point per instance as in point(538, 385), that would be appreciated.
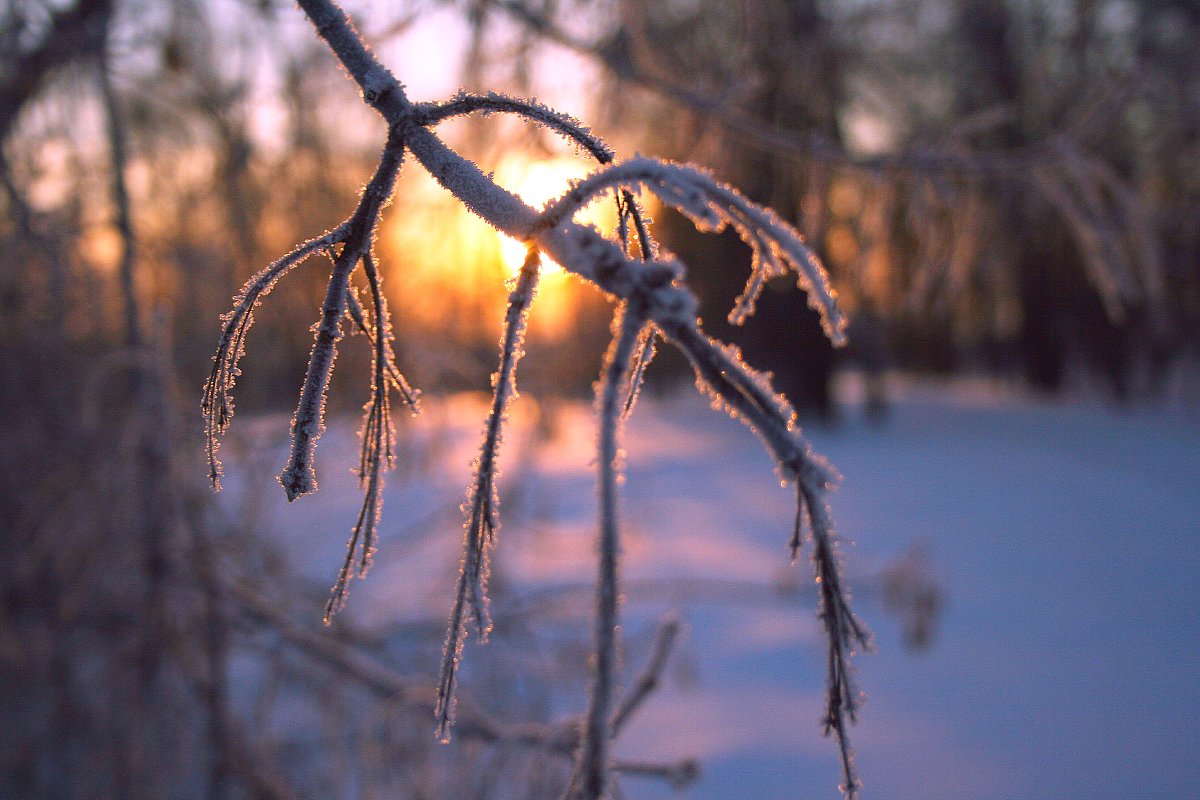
point(986, 178)
point(780, 64)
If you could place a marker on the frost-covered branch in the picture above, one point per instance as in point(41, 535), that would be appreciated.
point(483, 501)
point(652, 298)
point(711, 205)
point(410, 396)
point(843, 631)
point(299, 477)
point(493, 102)
point(593, 756)
point(218, 404)
point(355, 236)
point(375, 455)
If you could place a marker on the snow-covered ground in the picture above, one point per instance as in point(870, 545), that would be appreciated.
point(1064, 540)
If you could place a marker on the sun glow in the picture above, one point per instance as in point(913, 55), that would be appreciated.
point(537, 182)
point(450, 266)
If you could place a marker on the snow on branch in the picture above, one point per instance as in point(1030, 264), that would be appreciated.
point(483, 500)
point(652, 299)
point(712, 205)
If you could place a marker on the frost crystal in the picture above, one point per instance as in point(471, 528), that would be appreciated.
point(483, 499)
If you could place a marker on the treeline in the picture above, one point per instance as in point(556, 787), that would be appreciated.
point(1005, 187)
point(1000, 187)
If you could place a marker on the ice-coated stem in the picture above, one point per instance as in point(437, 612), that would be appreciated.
point(653, 297)
point(299, 476)
point(843, 632)
point(593, 754)
point(563, 124)
point(482, 500)
point(712, 205)
point(375, 456)
point(410, 396)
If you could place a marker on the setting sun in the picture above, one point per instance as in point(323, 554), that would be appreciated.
point(449, 265)
point(537, 182)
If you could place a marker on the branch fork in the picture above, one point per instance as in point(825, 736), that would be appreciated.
point(653, 301)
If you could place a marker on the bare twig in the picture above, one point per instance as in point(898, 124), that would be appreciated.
point(120, 192)
point(651, 674)
point(472, 723)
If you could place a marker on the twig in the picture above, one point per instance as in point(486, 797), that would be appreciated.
point(299, 476)
point(593, 756)
point(651, 674)
point(711, 206)
point(562, 740)
point(217, 405)
point(409, 395)
point(482, 499)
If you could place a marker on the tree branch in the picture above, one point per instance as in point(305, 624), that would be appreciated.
point(651, 292)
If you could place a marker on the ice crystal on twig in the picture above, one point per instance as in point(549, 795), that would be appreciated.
point(712, 205)
point(299, 476)
point(643, 354)
point(628, 210)
point(410, 396)
point(653, 300)
point(593, 752)
point(375, 454)
point(843, 630)
point(493, 102)
point(483, 500)
point(217, 405)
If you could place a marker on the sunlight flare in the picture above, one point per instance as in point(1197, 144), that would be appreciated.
point(537, 182)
